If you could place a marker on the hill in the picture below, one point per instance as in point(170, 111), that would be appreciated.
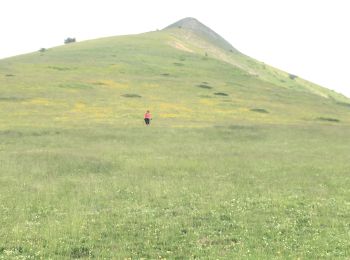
point(186, 74)
point(241, 160)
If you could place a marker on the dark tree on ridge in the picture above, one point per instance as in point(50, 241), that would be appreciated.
point(69, 40)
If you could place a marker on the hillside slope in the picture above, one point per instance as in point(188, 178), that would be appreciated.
point(180, 73)
point(241, 160)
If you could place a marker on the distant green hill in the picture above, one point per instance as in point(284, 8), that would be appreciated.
point(186, 74)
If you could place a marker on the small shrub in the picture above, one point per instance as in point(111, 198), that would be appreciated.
point(259, 110)
point(329, 119)
point(165, 74)
point(99, 83)
point(220, 94)
point(9, 75)
point(204, 86)
point(60, 68)
point(42, 50)
point(131, 96)
point(292, 76)
point(343, 104)
point(178, 64)
point(69, 40)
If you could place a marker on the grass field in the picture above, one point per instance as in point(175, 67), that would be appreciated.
point(233, 191)
point(241, 160)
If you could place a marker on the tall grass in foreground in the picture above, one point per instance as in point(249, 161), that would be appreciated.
point(218, 192)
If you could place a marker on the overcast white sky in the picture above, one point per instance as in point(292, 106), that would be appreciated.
point(309, 38)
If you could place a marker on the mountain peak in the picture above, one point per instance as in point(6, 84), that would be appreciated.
point(187, 23)
point(195, 26)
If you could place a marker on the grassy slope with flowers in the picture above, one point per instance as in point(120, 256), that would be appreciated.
point(242, 160)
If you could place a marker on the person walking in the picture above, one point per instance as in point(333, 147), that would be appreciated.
point(148, 118)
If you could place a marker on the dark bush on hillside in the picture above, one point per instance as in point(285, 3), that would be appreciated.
point(178, 64)
point(220, 94)
point(42, 50)
point(69, 40)
point(9, 75)
point(292, 76)
point(60, 68)
point(131, 96)
point(343, 104)
point(99, 83)
point(165, 74)
point(204, 86)
point(329, 119)
point(259, 110)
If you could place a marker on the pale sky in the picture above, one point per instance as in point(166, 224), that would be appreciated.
point(309, 38)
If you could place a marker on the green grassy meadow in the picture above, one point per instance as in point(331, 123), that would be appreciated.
point(240, 161)
point(239, 191)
